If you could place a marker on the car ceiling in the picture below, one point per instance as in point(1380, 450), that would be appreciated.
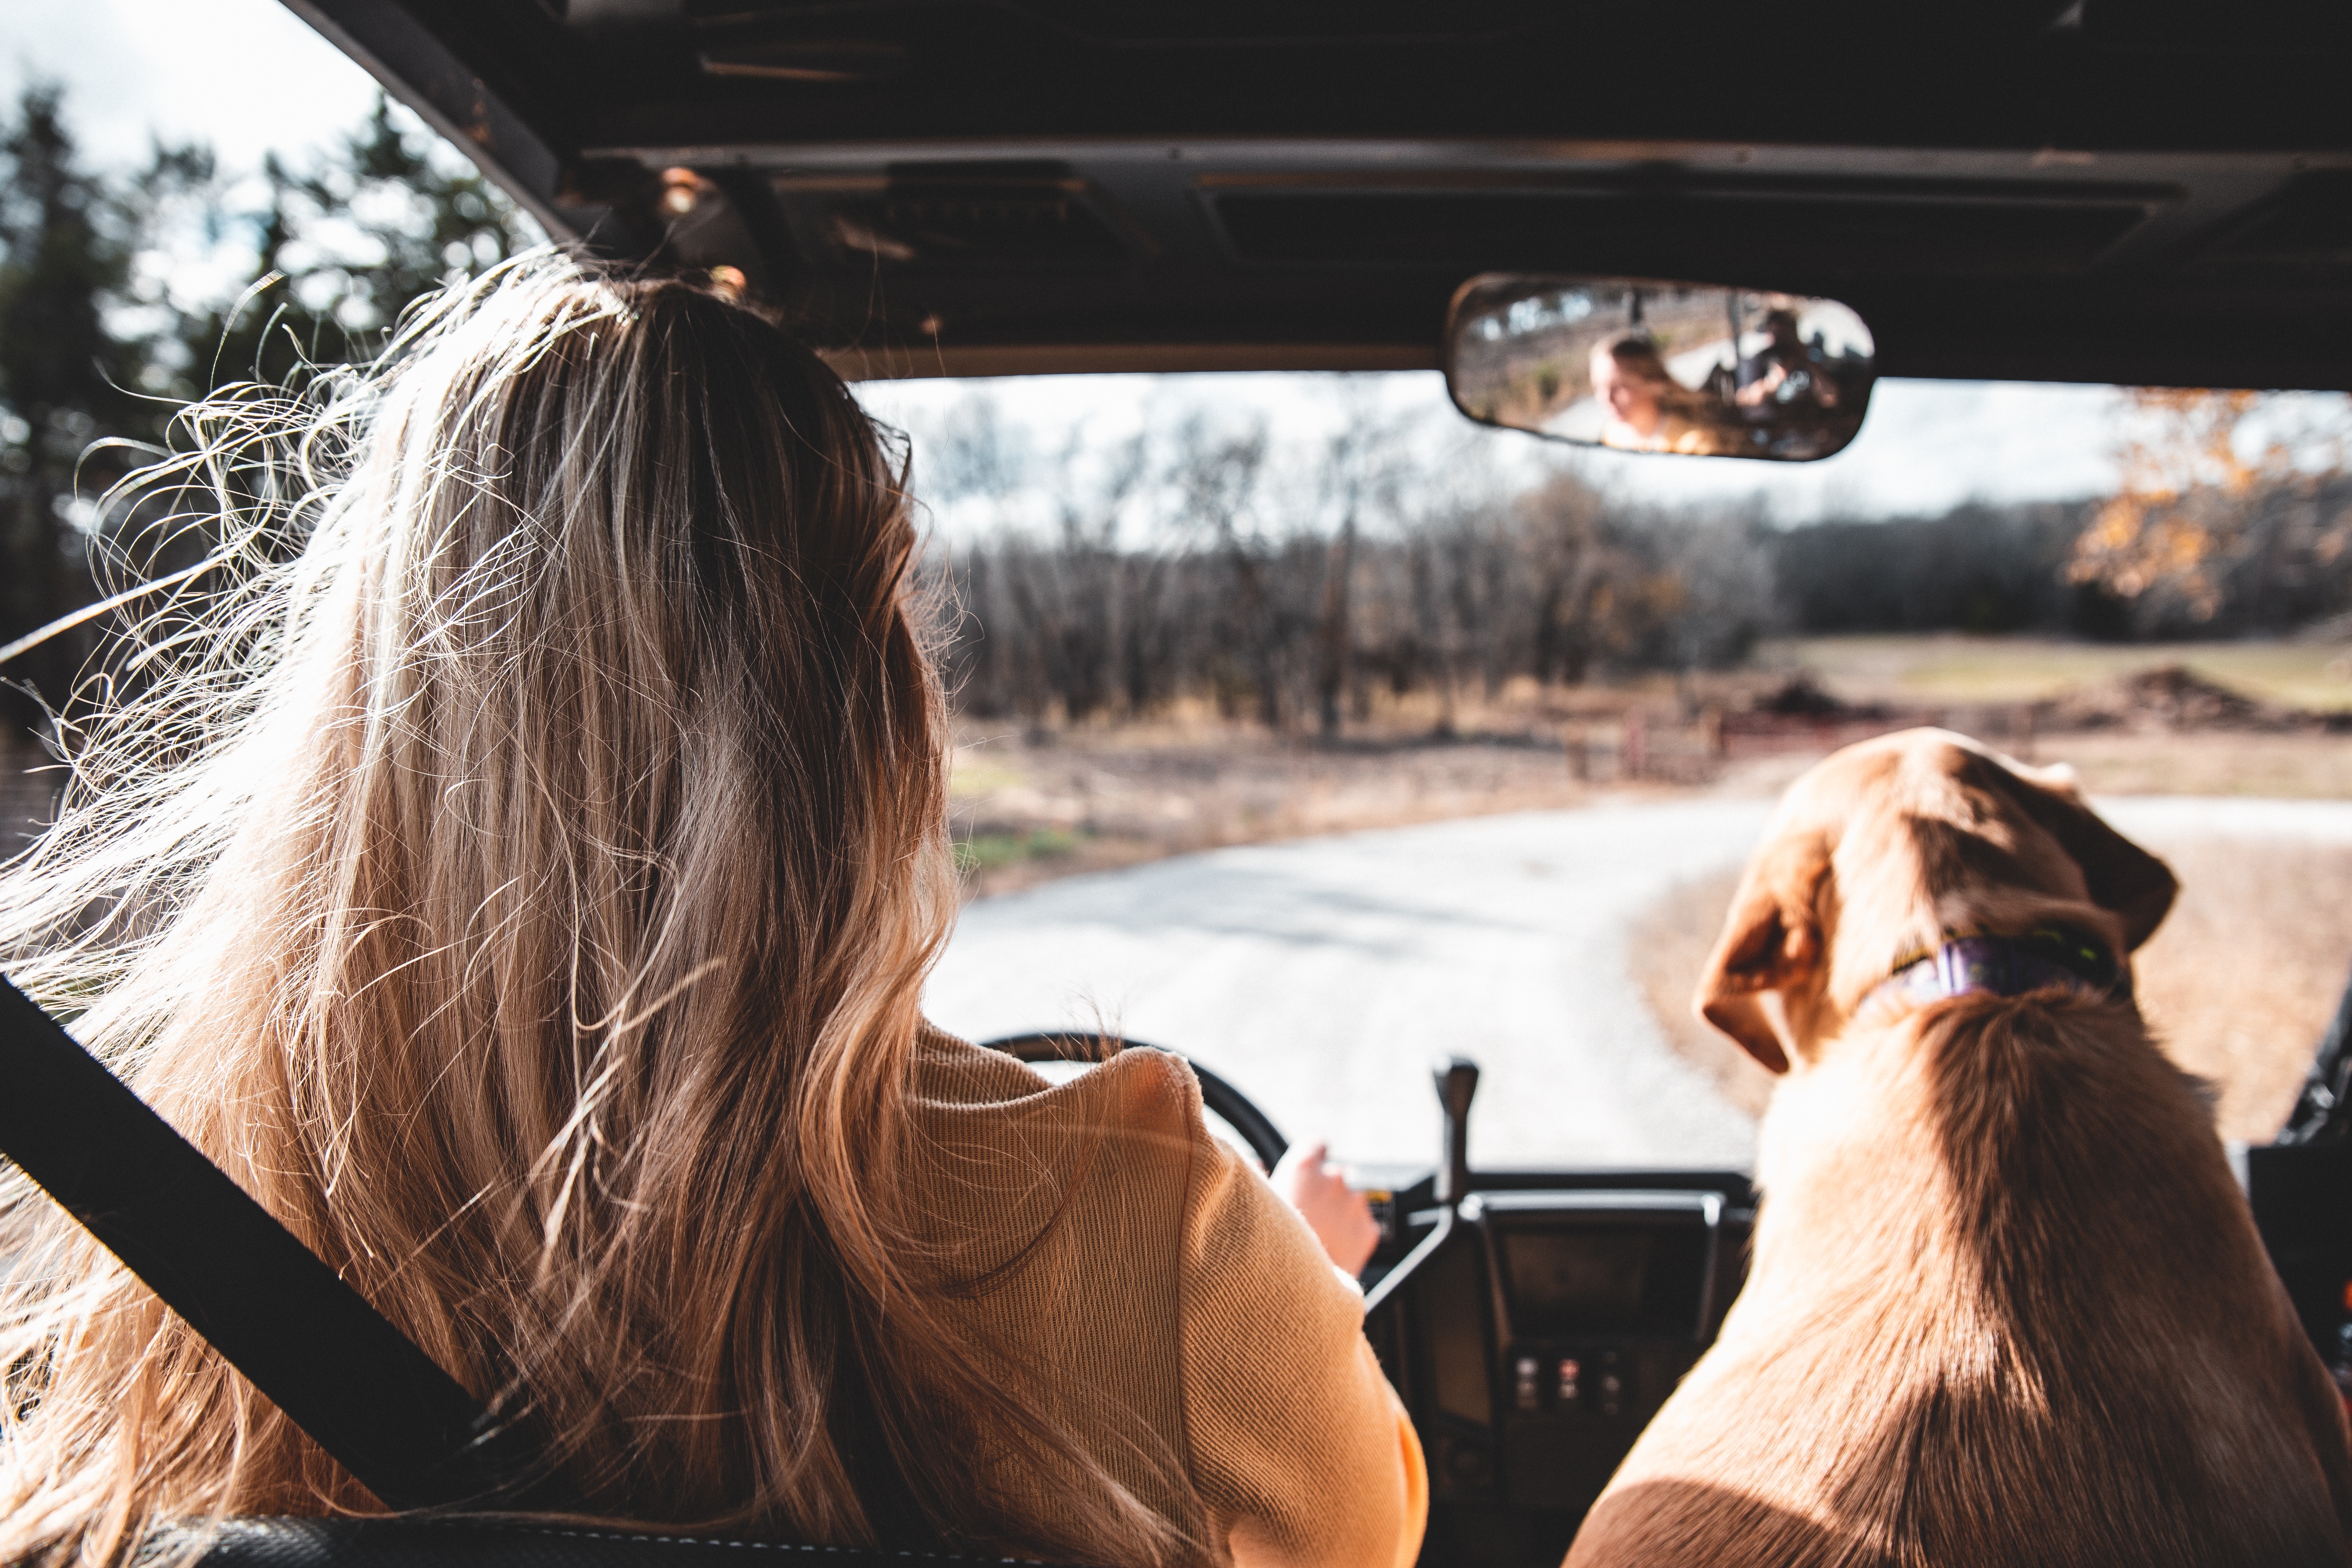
point(2146, 190)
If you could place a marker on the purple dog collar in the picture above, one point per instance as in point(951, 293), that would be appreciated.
point(2000, 966)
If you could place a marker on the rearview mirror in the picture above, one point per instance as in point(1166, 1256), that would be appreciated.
point(1648, 366)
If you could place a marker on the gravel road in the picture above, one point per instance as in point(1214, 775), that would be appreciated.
point(1321, 975)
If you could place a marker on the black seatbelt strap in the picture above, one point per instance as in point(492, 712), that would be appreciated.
point(386, 1410)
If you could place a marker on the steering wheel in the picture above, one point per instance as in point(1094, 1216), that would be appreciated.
point(1221, 1099)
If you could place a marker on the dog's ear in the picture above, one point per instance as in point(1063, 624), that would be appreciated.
point(2123, 878)
point(1771, 939)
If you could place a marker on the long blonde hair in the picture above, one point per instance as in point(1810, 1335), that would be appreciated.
point(517, 868)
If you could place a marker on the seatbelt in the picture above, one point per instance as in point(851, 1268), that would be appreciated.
point(386, 1410)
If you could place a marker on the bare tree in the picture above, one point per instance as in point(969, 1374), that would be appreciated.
point(1119, 579)
point(1216, 478)
point(1565, 521)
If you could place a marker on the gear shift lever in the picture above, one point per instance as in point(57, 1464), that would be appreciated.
point(1458, 1082)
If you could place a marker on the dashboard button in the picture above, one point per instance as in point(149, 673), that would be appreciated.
point(1610, 1385)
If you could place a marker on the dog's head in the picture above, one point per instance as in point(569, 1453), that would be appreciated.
point(1887, 846)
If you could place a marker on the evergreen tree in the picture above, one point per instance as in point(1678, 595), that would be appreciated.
point(346, 245)
point(97, 349)
point(71, 360)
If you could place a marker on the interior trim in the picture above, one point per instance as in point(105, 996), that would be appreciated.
point(1094, 359)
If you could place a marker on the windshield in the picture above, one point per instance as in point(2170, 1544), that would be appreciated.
point(1311, 731)
point(1301, 725)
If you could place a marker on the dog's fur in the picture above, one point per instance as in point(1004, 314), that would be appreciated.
point(2007, 1304)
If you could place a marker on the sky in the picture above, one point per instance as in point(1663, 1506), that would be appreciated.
point(1925, 447)
point(249, 76)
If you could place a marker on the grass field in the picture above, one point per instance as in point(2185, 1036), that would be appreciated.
point(2315, 676)
point(1035, 803)
point(1027, 808)
point(2280, 767)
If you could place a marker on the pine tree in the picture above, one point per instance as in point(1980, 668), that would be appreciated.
point(95, 351)
point(348, 243)
point(66, 379)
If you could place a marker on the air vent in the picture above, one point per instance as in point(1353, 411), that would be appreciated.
point(1648, 231)
point(1023, 214)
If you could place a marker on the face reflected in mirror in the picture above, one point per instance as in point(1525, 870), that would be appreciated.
point(1649, 367)
point(1643, 407)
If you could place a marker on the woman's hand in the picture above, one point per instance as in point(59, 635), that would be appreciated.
point(1340, 1219)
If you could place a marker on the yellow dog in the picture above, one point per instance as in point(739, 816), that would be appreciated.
point(2007, 1304)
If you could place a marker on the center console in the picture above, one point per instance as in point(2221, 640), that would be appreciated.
point(1533, 1323)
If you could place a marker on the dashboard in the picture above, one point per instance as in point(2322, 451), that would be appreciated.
point(1534, 1332)
point(1534, 1321)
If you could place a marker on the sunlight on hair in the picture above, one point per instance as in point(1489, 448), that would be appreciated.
point(509, 837)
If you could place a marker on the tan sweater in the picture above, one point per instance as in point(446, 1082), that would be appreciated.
point(1178, 1304)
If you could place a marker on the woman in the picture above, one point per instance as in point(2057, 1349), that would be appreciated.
point(519, 872)
point(1647, 410)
